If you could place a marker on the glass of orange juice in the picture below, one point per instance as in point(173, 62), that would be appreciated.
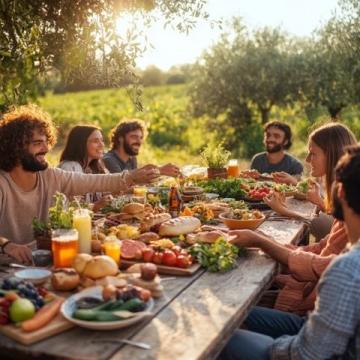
point(64, 246)
point(233, 169)
point(112, 249)
point(140, 190)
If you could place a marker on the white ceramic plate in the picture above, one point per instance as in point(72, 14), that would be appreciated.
point(34, 275)
point(69, 306)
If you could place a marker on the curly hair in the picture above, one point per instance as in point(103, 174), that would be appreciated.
point(123, 128)
point(285, 128)
point(16, 130)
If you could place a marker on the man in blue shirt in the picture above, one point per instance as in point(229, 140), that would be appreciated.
point(332, 330)
point(277, 139)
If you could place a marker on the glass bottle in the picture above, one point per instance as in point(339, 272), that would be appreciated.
point(174, 202)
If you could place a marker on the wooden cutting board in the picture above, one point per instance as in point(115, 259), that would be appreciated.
point(162, 269)
point(56, 326)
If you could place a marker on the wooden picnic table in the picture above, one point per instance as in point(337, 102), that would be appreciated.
point(193, 320)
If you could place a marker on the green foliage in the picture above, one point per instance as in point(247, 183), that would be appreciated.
point(215, 156)
point(229, 188)
point(80, 39)
point(220, 256)
point(61, 214)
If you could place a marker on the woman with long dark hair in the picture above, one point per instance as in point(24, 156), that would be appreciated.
point(304, 264)
point(83, 152)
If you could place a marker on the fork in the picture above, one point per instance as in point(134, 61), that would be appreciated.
point(140, 345)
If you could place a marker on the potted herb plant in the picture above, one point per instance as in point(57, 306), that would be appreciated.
point(216, 158)
point(60, 216)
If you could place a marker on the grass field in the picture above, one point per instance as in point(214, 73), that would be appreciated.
point(174, 135)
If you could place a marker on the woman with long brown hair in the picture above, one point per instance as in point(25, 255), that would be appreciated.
point(304, 264)
point(83, 152)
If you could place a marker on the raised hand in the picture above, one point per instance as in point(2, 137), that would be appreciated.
point(284, 178)
point(170, 170)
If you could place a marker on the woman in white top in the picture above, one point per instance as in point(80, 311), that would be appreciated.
point(83, 152)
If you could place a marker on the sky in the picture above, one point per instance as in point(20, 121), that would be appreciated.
point(296, 17)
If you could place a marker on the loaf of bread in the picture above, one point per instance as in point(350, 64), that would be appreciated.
point(180, 225)
point(153, 220)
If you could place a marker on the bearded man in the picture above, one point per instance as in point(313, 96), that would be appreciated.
point(28, 184)
point(277, 139)
point(126, 139)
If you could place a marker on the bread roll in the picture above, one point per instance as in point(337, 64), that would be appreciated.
point(80, 262)
point(153, 220)
point(65, 279)
point(179, 226)
point(133, 208)
point(148, 237)
point(100, 266)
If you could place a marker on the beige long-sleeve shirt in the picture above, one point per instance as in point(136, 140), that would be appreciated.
point(19, 207)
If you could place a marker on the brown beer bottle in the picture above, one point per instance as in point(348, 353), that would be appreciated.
point(174, 202)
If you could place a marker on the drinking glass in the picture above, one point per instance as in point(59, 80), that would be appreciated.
point(64, 244)
point(233, 169)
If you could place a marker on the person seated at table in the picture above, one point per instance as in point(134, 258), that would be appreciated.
point(304, 265)
point(278, 139)
point(332, 330)
point(126, 139)
point(27, 184)
point(83, 153)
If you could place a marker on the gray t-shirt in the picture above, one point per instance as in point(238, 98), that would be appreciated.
point(115, 165)
point(289, 164)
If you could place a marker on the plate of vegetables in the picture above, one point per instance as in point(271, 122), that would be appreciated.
point(93, 309)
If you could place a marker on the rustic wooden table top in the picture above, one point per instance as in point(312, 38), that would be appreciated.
point(194, 318)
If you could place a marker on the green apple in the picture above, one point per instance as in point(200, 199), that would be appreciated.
point(21, 310)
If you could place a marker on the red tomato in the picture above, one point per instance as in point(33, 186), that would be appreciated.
point(169, 258)
point(157, 258)
point(148, 254)
point(176, 249)
point(183, 261)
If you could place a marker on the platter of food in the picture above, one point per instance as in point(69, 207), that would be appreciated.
point(107, 308)
point(28, 313)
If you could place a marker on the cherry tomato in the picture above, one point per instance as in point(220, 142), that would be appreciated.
point(183, 261)
point(157, 258)
point(169, 258)
point(148, 254)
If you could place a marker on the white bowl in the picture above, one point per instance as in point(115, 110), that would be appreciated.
point(34, 275)
point(69, 307)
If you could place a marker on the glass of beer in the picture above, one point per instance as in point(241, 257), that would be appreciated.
point(64, 245)
point(233, 169)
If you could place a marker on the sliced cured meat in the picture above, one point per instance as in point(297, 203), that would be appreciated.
point(132, 249)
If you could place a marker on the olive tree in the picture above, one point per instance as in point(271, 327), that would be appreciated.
point(78, 38)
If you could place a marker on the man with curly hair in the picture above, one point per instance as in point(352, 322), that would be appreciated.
point(126, 139)
point(27, 184)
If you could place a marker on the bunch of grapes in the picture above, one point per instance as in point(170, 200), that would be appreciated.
point(26, 290)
